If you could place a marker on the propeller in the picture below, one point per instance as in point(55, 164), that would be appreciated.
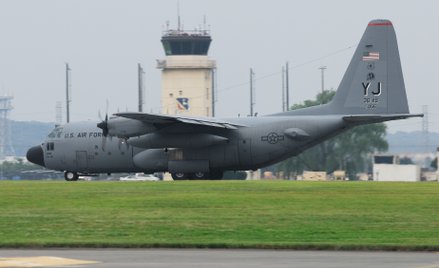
point(104, 126)
point(105, 133)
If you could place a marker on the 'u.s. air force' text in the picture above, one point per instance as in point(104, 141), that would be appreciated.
point(82, 135)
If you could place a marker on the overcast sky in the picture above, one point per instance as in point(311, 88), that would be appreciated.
point(104, 40)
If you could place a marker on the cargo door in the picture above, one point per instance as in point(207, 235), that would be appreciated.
point(81, 160)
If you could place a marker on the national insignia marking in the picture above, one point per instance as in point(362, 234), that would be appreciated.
point(272, 138)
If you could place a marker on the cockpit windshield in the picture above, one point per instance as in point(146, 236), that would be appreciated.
point(56, 133)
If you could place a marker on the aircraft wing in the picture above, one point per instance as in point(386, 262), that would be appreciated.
point(376, 118)
point(158, 119)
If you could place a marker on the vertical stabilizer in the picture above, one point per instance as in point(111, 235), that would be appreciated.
point(373, 82)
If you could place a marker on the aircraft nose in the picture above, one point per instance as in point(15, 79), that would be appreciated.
point(35, 155)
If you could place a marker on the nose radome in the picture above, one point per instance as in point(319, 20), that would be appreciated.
point(35, 155)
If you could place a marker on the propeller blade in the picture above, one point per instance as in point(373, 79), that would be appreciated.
point(104, 126)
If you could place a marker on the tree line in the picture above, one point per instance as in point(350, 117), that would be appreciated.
point(350, 151)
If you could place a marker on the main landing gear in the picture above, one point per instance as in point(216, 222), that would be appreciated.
point(212, 175)
point(71, 176)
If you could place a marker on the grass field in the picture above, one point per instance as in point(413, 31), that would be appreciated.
point(249, 214)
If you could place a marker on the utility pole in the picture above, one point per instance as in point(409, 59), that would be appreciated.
point(425, 132)
point(252, 95)
point(287, 84)
point(68, 100)
point(283, 89)
point(178, 16)
point(323, 68)
point(213, 92)
point(140, 74)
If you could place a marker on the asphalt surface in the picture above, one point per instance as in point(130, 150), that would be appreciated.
point(230, 258)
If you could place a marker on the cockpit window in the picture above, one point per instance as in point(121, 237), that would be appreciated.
point(56, 133)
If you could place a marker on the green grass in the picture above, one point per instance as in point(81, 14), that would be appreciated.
point(226, 214)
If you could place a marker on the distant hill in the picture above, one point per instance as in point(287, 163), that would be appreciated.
point(412, 142)
point(25, 134)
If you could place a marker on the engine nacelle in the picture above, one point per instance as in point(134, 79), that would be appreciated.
point(160, 160)
point(125, 128)
point(153, 159)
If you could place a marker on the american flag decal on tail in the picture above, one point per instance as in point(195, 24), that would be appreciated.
point(371, 56)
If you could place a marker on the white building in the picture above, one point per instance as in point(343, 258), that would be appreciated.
point(387, 168)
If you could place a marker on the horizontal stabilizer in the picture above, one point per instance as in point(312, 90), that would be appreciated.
point(373, 118)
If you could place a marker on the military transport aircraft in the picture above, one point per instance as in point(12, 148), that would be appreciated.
point(372, 90)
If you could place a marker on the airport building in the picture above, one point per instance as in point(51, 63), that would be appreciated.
point(388, 168)
point(187, 73)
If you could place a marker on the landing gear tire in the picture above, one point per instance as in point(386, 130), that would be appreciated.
point(70, 176)
point(200, 176)
point(179, 176)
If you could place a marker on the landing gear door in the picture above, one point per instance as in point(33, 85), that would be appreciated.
point(81, 160)
point(245, 153)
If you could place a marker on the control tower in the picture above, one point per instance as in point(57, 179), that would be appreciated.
point(187, 73)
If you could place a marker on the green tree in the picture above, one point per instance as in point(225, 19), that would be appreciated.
point(433, 163)
point(14, 168)
point(406, 161)
point(348, 151)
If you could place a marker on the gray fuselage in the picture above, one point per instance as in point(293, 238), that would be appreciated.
point(81, 147)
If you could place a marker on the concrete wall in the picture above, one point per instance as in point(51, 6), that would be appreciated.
point(391, 172)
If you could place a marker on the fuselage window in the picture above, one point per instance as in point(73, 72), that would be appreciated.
point(50, 146)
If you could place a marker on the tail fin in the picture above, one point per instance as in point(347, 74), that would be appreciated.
point(373, 82)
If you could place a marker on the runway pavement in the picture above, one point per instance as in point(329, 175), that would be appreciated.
point(166, 258)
